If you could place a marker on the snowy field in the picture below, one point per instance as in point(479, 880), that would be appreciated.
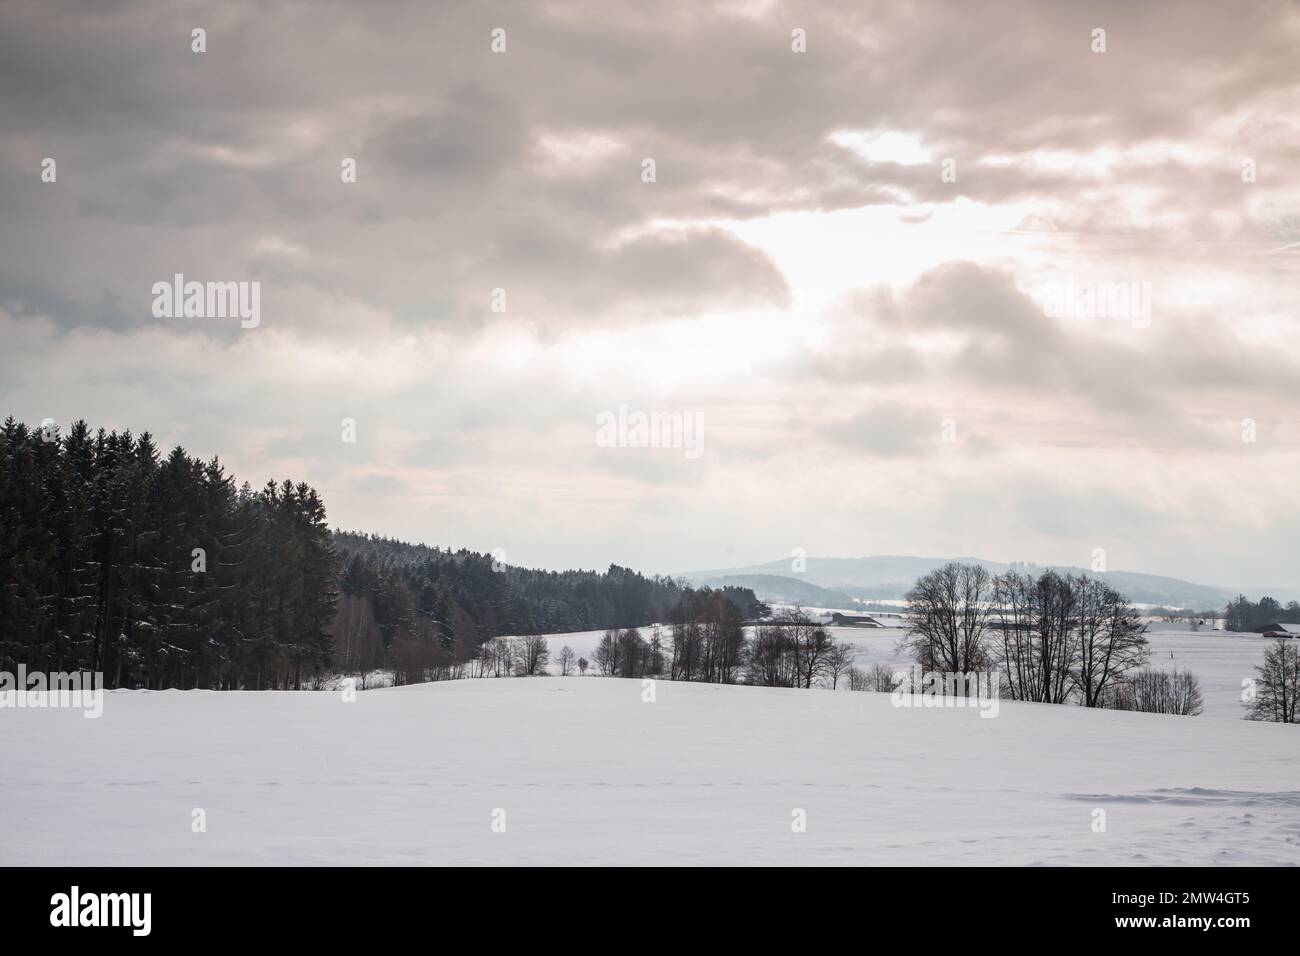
point(586, 772)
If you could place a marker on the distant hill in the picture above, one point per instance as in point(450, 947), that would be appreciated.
point(885, 577)
point(781, 589)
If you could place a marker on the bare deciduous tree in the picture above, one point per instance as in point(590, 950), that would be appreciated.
point(633, 654)
point(608, 653)
point(879, 678)
point(1055, 604)
point(839, 660)
point(811, 645)
point(949, 618)
point(498, 657)
point(882, 678)
point(532, 654)
point(1111, 639)
point(567, 659)
point(1158, 692)
point(1058, 636)
point(771, 658)
point(1277, 689)
point(657, 659)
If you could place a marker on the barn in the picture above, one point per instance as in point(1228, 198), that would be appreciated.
point(854, 620)
point(1282, 630)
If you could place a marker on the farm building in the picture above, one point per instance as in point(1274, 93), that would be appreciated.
point(854, 620)
point(1282, 630)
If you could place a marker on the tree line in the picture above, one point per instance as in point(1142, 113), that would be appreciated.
point(162, 572)
point(434, 614)
point(1246, 616)
point(707, 640)
point(1274, 694)
point(157, 571)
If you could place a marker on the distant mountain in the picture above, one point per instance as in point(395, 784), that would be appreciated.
point(781, 589)
point(885, 577)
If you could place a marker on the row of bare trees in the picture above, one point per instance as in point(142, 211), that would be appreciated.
point(706, 639)
point(1157, 692)
point(879, 677)
point(528, 655)
point(627, 654)
point(793, 651)
point(707, 643)
point(1059, 639)
point(1055, 638)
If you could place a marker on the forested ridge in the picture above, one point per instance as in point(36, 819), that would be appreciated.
point(160, 571)
point(423, 609)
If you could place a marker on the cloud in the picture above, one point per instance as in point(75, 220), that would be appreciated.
point(889, 430)
point(800, 273)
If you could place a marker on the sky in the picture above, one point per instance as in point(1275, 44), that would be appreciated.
point(1009, 280)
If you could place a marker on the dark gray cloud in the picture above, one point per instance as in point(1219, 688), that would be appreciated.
point(158, 144)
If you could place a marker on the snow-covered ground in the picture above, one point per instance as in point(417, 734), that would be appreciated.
point(586, 772)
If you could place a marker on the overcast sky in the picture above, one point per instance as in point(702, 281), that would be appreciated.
point(844, 270)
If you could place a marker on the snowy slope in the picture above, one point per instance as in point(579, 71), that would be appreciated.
point(588, 773)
